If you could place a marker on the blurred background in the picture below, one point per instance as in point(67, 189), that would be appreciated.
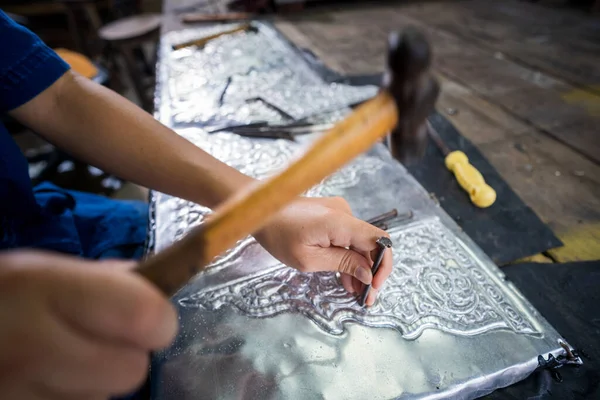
point(114, 43)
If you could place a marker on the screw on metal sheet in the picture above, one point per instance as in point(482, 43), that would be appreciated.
point(383, 243)
point(570, 355)
point(553, 363)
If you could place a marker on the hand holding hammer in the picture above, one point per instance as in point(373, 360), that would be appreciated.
point(401, 107)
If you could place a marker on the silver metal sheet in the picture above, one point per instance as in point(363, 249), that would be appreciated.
point(242, 78)
point(446, 323)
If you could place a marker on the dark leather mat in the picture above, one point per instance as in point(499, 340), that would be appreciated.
point(506, 231)
point(567, 296)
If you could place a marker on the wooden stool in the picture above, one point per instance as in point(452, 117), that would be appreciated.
point(126, 36)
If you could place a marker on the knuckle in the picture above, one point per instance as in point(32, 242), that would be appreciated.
point(346, 265)
point(331, 212)
point(342, 203)
point(339, 199)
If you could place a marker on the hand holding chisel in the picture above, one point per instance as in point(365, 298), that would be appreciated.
point(384, 243)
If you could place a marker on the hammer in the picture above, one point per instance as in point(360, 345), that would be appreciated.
point(408, 95)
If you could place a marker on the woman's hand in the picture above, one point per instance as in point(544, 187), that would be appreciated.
point(320, 234)
point(75, 329)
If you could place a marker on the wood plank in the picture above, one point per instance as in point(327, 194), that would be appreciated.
point(526, 159)
point(477, 119)
point(536, 36)
point(530, 162)
point(559, 185)
point(359, 46)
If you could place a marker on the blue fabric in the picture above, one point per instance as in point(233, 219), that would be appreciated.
point(27, 65)
point(48, 217)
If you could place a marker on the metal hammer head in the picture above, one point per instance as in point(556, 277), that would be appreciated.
point(410, 83)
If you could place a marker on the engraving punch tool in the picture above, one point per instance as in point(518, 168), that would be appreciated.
point(384, 243)
point(381, 221)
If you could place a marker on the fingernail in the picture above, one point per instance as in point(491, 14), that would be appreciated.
point(364, 275)
point(372, 297)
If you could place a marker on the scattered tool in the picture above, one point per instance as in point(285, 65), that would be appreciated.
point(381, 221)
point(258, 132)
point(194, 17)
point(384, 243)
point(468, 177)
point(270, 105)
point(383, 217)
point(227, 84)
point(275, 131)
point(203, 40)
point(408, 80)
point(227, 128)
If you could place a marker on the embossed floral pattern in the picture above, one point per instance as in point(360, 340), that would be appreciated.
point(435, 284)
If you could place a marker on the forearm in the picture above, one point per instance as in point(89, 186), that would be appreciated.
point(106, 130)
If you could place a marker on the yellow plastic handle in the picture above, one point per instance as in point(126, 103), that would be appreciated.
point(471, 180)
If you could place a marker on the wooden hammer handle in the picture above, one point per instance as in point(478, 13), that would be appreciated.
point(249, 210)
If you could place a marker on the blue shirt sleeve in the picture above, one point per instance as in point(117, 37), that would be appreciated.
point(27, 65)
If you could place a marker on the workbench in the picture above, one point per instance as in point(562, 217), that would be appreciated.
point(506, 86)
point(520, 81)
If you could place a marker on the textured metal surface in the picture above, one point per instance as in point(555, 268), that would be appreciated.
point(436, 283)
point(446, 323)
point(241, 78)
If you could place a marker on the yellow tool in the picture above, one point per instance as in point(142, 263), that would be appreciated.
point(471, 180)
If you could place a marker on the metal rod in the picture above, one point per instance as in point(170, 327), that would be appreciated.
point(383, 217)
point(383, 243)
point(437, 139)
point(392, 216)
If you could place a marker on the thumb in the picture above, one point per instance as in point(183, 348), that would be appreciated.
point(345, 261)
